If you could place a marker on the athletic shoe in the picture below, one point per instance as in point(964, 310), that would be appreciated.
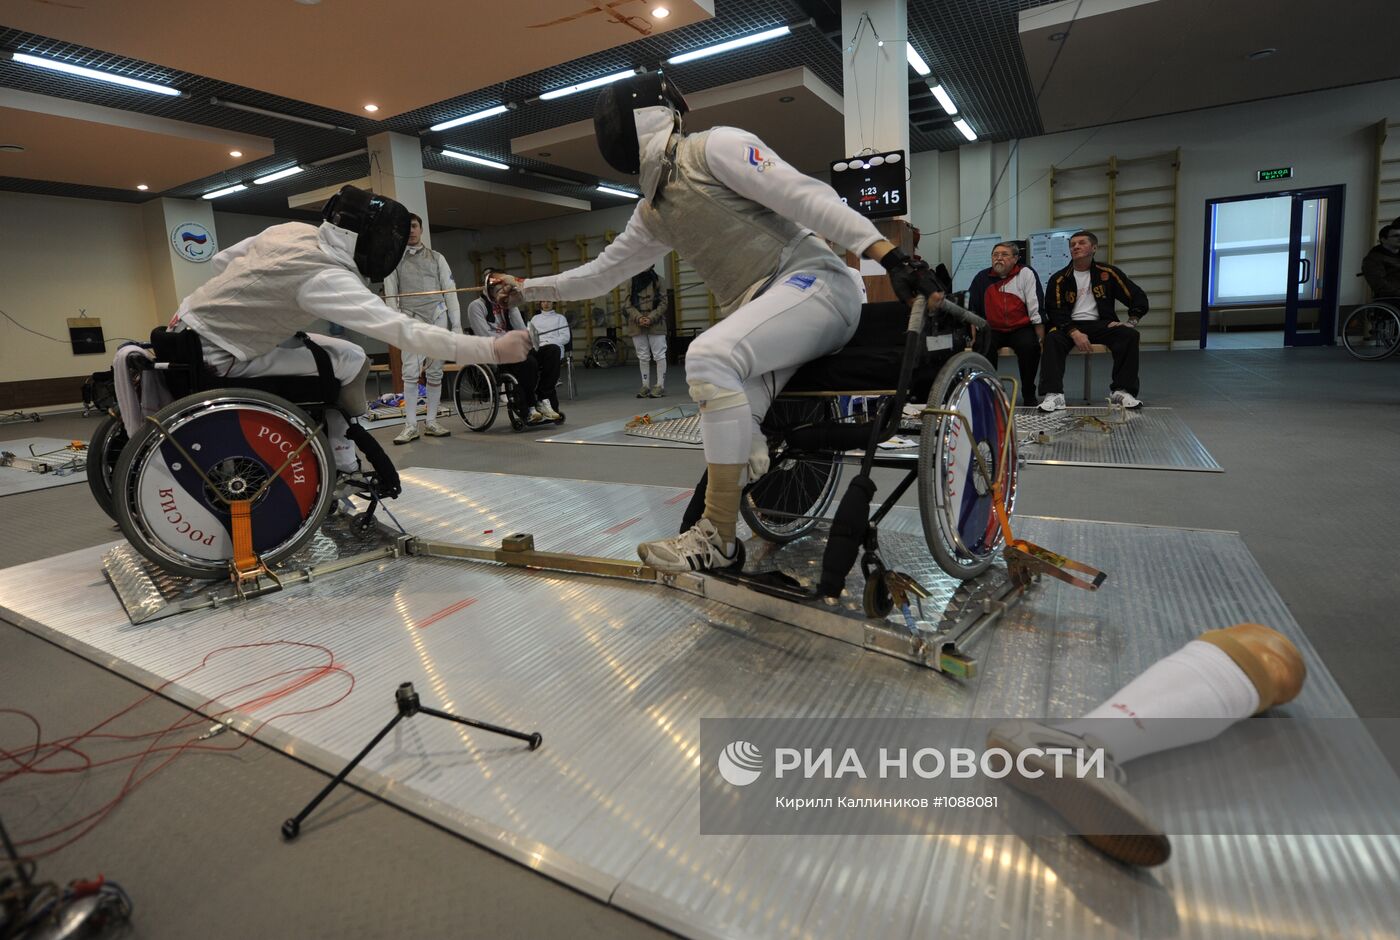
point(658, 391)
point(1126, 399)
point(1055, 401)
point(433, 429)
point(534, 417)
point(644, 393)
point(699, 548)
point(407, 434)
point(546, 409)
point(1099, 809)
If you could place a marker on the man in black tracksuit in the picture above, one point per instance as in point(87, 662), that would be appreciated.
point(1079, 303)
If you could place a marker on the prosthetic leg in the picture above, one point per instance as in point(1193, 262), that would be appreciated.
point(1214, 681)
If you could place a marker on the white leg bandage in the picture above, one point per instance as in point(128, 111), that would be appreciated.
point(726, 424)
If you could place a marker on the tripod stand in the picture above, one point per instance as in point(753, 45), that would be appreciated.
point(407, 701)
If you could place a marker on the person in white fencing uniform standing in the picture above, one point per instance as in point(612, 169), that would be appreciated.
point(422, 269)
point(752, 228)
point(288, 277)
point(646, 323)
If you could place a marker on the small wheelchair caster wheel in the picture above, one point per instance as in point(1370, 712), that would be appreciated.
point(877, 601)
point(363, 523)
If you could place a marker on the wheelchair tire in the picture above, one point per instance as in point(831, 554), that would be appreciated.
point(605, 353)
point(102, 453)
point(1371, 332)
point(474, 394)
point(955, 504)
point(238, 437)
point(787, 502)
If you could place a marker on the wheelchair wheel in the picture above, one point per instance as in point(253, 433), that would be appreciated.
point(1372, 331)
point(102, 453)
point(474, 393)
point(788, 501)
point(955, 500)
point(605, 353)
point(169, 500)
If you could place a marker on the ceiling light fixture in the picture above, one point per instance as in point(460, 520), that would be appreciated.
point(82, 72)
point(326, 161)
point(944, 98)
point(458, 155)
point(468, 118)
point(142, 186)
point(1058, 37)
point(1261, 54)
point(251, 109)
point(965, 128)
point(279, 175)
point(731, 44)
point(660, 12)
point(584, 86)
point(11, 148)
point(618, 192)
point(786, 99)
point(235, 188)
point(235, 153)
point(371, 108)
point(916, 61)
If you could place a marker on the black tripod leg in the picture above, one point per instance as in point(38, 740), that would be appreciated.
point(533, 737)
point(292, 826)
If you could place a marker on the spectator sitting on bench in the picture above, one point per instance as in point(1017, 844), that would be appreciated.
point(1079, 306)
point(1008, 296)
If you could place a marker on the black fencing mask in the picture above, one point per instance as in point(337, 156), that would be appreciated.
point(380, 222)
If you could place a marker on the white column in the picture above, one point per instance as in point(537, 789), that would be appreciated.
point(173, 275)
point(396, 171)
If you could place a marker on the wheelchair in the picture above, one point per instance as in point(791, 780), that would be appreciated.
point(1371, 332)
point(967, 464)
point(480, 391)
point(234, 475)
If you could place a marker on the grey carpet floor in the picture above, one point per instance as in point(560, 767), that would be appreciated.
point(1309, 440)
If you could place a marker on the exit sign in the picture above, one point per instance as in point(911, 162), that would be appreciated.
point(1277, 173)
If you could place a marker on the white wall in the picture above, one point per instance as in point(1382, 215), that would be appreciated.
point(58, 255)
point(1327, 137)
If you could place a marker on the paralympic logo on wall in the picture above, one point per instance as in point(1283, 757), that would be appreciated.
point(192, 241)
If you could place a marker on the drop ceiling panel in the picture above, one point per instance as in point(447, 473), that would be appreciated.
point(806, 130)
point(342, 54)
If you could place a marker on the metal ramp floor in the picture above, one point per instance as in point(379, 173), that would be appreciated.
point(617, 676)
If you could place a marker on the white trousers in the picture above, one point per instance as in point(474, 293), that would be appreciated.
point(347, 359)
point(651, 347)
point(807, 313)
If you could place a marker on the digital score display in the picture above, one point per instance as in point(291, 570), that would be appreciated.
point(873, 185)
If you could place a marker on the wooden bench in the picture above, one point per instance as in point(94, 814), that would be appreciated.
point(1094, 350)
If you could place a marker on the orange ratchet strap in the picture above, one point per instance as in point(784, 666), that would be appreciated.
point(1031, 558)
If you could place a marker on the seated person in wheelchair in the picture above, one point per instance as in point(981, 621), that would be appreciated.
point(1381, 265)
point(288, 277)
point(550, 330)
point(494, 315)
point(752, 227)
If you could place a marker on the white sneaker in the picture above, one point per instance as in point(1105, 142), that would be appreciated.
point(1055, 401)
point(433, 429)
point(658, 391)
point(408, 434)
point(534, 417)
point(645, 392)
point(546, 409)
point(1099, 809)
point(699, 548)
point(1126, 399)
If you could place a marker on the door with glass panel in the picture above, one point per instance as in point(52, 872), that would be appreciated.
point(1274, 256)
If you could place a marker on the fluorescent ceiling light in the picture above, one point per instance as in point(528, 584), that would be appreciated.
point(966, 129)
point(236, 188)
point(584, 86)
point(468, 118)
point(726, 46)
point(94, 73)
point(458, 155)
point(944, 99)
point(279, 175)
point(618, 192)
point(916, 60)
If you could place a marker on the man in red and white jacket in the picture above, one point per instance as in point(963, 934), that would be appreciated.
point(1008, 296)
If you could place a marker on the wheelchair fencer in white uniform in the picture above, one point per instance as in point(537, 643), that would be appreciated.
point(752, 227)
point(235, 438)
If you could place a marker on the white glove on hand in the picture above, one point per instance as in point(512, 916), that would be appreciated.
point(510, 281)
point(511, 347)
point(758, 456)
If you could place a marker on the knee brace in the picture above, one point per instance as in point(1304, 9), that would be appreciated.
point(711, 397)
point(1267, 657)
point(353, 397)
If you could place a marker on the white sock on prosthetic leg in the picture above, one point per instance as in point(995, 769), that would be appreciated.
point(434, 400)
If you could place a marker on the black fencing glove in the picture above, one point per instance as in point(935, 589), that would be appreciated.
point(909, 277)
